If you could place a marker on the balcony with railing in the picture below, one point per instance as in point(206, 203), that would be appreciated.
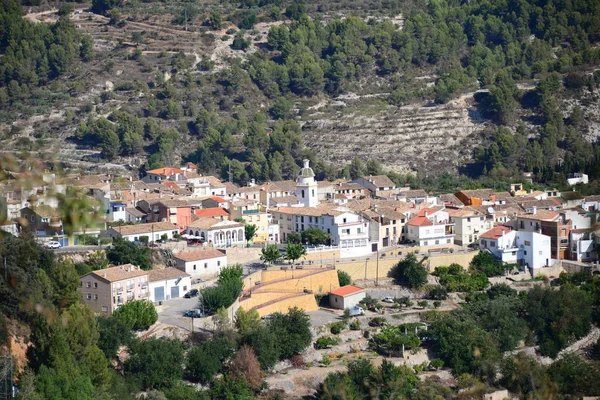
point(117, 290)
point(143, 294)
point(130, 287)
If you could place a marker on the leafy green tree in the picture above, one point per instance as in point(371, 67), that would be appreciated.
point(270, 254)
point(265, 343)
point(231, 387)
point(473, 351)
point(126, 252)
point(114, 333)
point(137, 314)
point(215, 21)
point(558, 316)
point(292, 331)
point(575, 376)
point(294, 238)
point(486, 263)
point(315, 236)
point(155, 363)
point(229, 287)
point(344, 278)
point(294, 251)
point(410, 272)
point(247, 322)
point(524, 376)
point(239, 42)
point(249, 232)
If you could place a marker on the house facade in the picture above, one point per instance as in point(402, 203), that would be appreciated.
point(107, 289)
point(524, 248)
point(346, 297)
point(218, 233)
point(469, 224)
point(151, 231)
point(430, 227)
point(205, 264)
point(168, 283)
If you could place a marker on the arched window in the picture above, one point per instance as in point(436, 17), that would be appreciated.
point(302, 193)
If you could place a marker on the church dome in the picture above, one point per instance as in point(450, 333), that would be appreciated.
point(307, 171)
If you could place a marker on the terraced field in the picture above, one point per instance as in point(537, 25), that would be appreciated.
point(412, 137)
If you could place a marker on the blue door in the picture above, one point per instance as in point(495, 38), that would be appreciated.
point(174, 292)
point(159, 294)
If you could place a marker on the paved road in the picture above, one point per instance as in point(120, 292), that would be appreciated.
point(171, 313)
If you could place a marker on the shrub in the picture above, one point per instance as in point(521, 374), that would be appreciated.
point(436, 364)
point(344, 278)
point(422, 303)
point(137, 314)
point(377, 321)
point(355, 325)
point(325, 342)
point(437, 303)
point(409, 272)
point(337, 327)
point(437, 292)
point(325, 360)
point(228, 288)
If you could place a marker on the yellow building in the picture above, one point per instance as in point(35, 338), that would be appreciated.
point(251, 212)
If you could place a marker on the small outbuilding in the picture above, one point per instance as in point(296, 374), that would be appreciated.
point(346, 297)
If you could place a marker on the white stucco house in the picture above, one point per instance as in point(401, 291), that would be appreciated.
point(346, 297)
point(430, 227)
point(204, 264)
point(133, 233)
point(220, 233)
point(168, 283)
point(530, 249)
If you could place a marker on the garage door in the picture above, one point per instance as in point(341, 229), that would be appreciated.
point(159, 294)
point(174, 292)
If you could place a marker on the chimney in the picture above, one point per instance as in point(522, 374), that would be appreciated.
point(493, 198)
point(534, 211)
point(426, 214)
point(104, 275)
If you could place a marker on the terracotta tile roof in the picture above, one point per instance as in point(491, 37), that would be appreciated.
point(380, 180)
point(208, 223)
point(428, 210)
point(451, 198)
point(230, 187)
point(211, 212)
point(145, 228)
point(45, 211)
point(419, 221)
point(285, 199)
point(214, 182)
point(466, 212)
point(199, 255)
point(346, 290)
point(348, 186)
point(592, 198)
point(172, 203)
point(165, 274)
point(282, 186)
point(495, 232)
point(118, 273)
point(483, 194)
point(166, 171)
point(190, 165)
point(135, 212)
point(541, 215)
point(411, 194)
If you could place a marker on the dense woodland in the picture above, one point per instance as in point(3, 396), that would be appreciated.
point(468, 46)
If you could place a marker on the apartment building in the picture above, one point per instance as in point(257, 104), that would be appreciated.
point(469, 224)
point(106, 289)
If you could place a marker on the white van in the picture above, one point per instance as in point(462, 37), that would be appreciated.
point(356, 310)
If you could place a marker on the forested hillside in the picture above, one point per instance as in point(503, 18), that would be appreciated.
point(523, 72)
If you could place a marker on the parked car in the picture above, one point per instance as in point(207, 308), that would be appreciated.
point(191, 293)
point(153, 244)
point(356, 310)
point(195, 313)
point(387, 300)
point(53, 245)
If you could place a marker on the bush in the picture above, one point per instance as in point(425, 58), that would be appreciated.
point(229, 287)
point(325, 360)
point(326, 342)
point(155, 363)
point(344, 278)
point(377, 321)
point(437, 292)
point(337, 327)
point(437, 303)
point(355, 325)
point(436, 364)
point(422, 303)
point(409, 272)
point(137, 314)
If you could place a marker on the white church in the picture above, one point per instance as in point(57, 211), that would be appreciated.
point(348, 231)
